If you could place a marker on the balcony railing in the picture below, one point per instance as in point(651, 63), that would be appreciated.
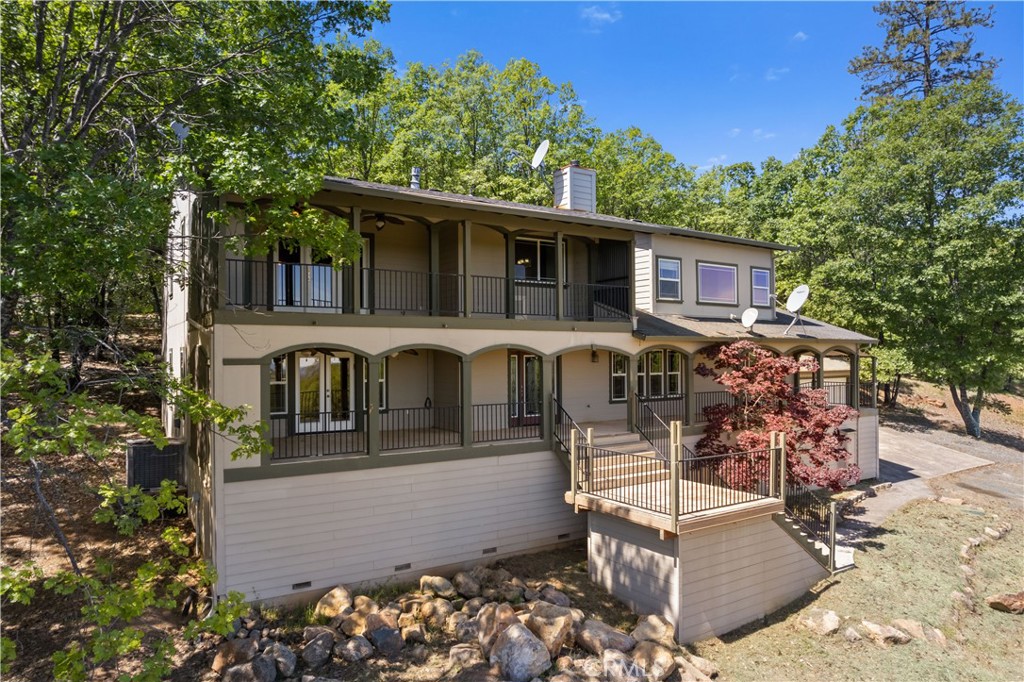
point(315, 435)
point(494, 422)
point(420, 427)
point(302, 286)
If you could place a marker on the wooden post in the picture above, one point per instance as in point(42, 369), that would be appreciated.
point(373, 408)
point(691, 397)
point(435, 268)
point(632, 377)
point(675, 456)
point(510, 276)
point(466, 395)
point(874, 382)
point(573, 464)
point(547, 407)
point(559, 277)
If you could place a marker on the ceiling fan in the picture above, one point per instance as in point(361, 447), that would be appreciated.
point(380, 220)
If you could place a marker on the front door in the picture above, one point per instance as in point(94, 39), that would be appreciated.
point(324, 392)
point(524, 382)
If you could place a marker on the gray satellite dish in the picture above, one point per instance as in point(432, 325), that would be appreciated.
point(794, 303)
point(748, 318)
point(180, 130)
point(538, 156)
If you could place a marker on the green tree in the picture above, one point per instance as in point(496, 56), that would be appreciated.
point(928, 44)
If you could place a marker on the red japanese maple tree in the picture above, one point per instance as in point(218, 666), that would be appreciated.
point(764, 401)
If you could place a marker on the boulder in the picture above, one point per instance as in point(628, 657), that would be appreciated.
point(820, 621)
point(414, 634)
point(492, 620)
point(435, 612)
point(510, 592)
point(596, 637)
point(551, 624)
point(381, 619)
point(406, 619)
point(318, 650)
point(435, 584)
point(259, 669)
point(467, 631)
point(618, 667)
point(851, 635)
point(654, 659)
point(1007, 602)
point(553, 596)
point(963, 601)
point(355, 649)
point(332, 603)
point(706, 667)
point(935, 636)
point(451, 625)
point(884, 634)
point(911, 627)
point(311, 632)
point(466, 585)
point(519, 655)
point(655, 629)
point(234, 652)
point(473, 606)
point(465, 655)
point(354, 624)
point(365, 605)
point(283, 657)
point(388, 641)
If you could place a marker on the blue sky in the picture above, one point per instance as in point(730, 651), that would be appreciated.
point(714, 82)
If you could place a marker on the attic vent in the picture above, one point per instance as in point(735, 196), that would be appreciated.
point(146, 466)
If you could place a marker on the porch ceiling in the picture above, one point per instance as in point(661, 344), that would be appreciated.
point(651, 326)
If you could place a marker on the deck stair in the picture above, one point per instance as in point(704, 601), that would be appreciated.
point(623, 458)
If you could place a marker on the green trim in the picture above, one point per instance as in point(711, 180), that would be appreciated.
point(736, 280)
point(326, 465)
point(241, 361)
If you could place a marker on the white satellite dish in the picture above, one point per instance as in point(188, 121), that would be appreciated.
point(794, 303)
point(180, 130)
point(538, 156)
point(748, 318)
point(797, 299)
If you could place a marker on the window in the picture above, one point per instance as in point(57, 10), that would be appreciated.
point(716, 284)
point(670, 279)
point(619, 366)
point(536, 260)
point(279, 385)
point(659, 374)
point(760, 287)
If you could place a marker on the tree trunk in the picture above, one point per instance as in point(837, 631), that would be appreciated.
point(886, 393)
point(896, 390)
point(970, 415)
point(51, 517)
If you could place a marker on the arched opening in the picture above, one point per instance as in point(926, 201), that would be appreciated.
point(420, 398)
point(507, 386)
point(837, 373)
point(661, 379)
point(808, 376)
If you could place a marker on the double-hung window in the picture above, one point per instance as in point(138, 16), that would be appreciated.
point(620, 366)
point(659, 374)
point(760, 287)
point(716, 284)
point(670, 279)
point(279, 385)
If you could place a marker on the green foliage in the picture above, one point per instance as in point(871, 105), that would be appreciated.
point(127, 508)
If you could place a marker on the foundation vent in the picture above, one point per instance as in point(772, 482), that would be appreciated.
point(564, 536)
point(402, 567)
point(302, 585)
point(490, 550)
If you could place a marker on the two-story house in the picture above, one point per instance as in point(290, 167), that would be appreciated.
point(420, 401)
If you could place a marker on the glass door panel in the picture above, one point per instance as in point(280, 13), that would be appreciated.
point(310, 392)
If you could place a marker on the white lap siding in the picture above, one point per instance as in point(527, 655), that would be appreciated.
point(358, 526)
point(867, 444)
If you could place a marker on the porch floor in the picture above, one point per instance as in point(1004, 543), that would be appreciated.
point(302, 446)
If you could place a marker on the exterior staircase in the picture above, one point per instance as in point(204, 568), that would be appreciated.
point(832, 558)
point(613, 470)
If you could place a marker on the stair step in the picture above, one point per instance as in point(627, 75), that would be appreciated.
point(607, 440)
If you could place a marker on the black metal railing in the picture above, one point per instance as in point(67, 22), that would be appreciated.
point(407, 292)
point(837, 392)
point(726, 480)
point(815, 515)
point(596, 302)
point(259, 284)
point(652, 427)
point(314, 434)
point(534, 298)
point(490, 295)
point(505, 421)
point(631, 479)
point(420, 427)
point(671, 408)
point(563, 426)
point(867, 395)
point(706, 399)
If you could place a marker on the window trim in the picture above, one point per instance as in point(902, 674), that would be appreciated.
point(771, 287)
point(643, 370)
point(612, 374)
point(657, 278)
point(537, 243)
point(735, 290)
point(284, 362)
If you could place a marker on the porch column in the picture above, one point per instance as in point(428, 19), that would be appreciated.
point(853, 400)
point(265, 457)
point(559, 276)
point(874, 382)
point(270, 279)
point(373, 408)
point(357, 275)
point(691, 396)
point(434, 268)
point(631, 384)
point(820, 376)
point(467, 279)
point(510, 276)
point(547, 382)
point(466, 395)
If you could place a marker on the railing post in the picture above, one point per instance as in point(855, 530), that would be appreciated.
point(467, 282)
point(782, 464)
point(373, 435)
point(773, 475)
point(832, 537)
point(675, 448)
point(573, 464)
point(466, 379)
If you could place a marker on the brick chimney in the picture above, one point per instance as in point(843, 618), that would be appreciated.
point(576, 188)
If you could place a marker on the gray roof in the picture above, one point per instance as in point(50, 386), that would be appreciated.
point(650, 326)
point(449, 199)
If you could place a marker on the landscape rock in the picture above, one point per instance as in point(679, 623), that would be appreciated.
point(553, 596)
point(332, 603)
point(259, 669)
point(519, 655)
point(465, 655)
point(388, 641)
point(473, 606)
point(419, 654)
point(467, 630)
point(311, 632)
point(365, 605)
point(435, 584)
point(318, 678)
point(451, 625)
point(851, 635)
point(318, 650)
point(963, 601)
point(993, 533)
point(283, 657)
point(563, 663)
point(354, 624)
point(355, 649)
point(595, 637)
point(935, 636)
point(707, 668)
point(414, 634)
point(381, 619)
point(466, 585)
point(510, 592)
point(406, 619)
point(493, 619)
point(689, 672)
point(1007, 602)
point(436, 611)
point(911, 627)
point(618, 667)
point(820, 621)
point(551, 624)
point(655, 659)
point(885, 634)
point(654, 628)
point(233, 652)
point(967, 570)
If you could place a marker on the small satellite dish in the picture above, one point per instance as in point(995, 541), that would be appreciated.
point(748, 318)
point(794, 303)
point(538, 156)
point(180, 130)
point(797, 299)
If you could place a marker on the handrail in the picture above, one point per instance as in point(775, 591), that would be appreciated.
point(563, 425)
point(653, 429)
point(817, 517)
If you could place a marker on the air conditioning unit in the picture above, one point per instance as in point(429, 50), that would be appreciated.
point(146, 465)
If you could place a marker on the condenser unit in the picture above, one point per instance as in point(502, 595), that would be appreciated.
point(146, 465)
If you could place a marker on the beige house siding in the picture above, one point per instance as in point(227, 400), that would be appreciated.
point(733, 574)
point(867, 443)
point(634, 564)
point(643, 274)
point(490, 377)
point(358, 526)
point(585, 390)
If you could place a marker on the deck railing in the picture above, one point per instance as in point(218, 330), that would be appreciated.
point(596, 302)
point(563, 427)
point(816, 516)
point(504, 421)
point(315, 435)
point(867, 395)
point(407, 292)
point(420, 427)
point(635, 480)
point(651, 426)
point(706, 399)
point(259, 284)
point(727, 480)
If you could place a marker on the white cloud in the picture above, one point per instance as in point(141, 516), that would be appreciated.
point(712, 162)
point(735, 73)
point(774, 74)
point(597, 17)
point(734, 132)
point(760, 134)
point(799, 37)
